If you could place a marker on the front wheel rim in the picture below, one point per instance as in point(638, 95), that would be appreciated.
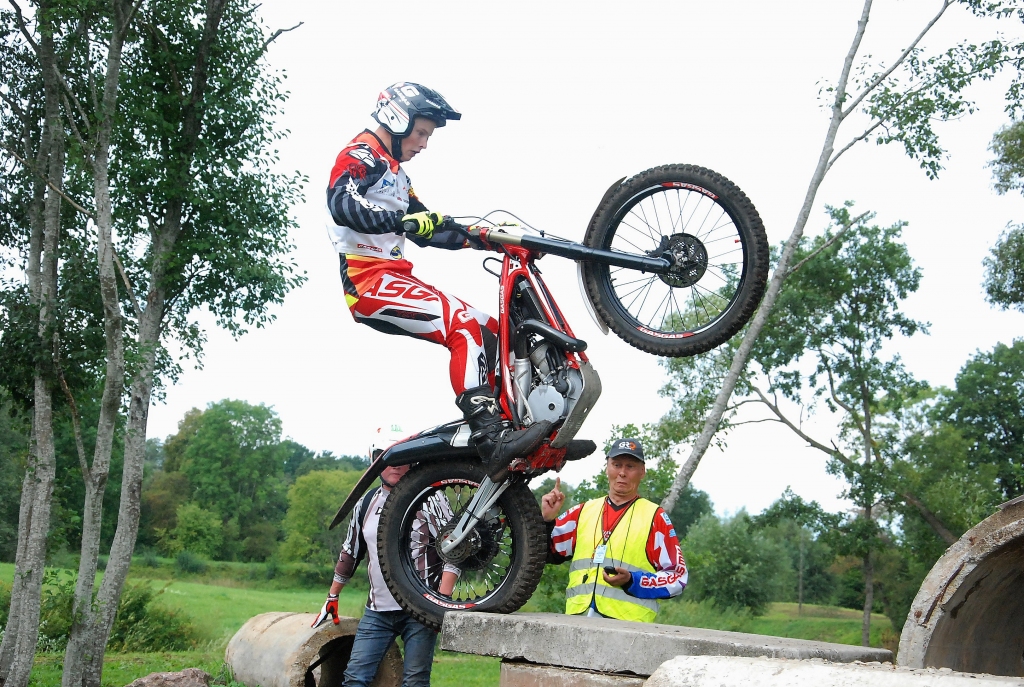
point(670, 217)
point(485, 565)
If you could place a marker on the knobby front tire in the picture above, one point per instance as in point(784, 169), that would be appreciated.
point(501, 562)
point(718, 241)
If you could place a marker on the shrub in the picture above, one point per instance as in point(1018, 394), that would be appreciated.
point(143, 625)
point(55, 610)
point(733, 564)
point(149, 559)
point(550, 594)
point(188, 562)
point(197, 530)
point(140, 623)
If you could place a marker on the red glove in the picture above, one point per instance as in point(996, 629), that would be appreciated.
point(330, 609)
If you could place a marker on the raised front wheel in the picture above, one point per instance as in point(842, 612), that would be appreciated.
point(709, 229)
point(498, 565)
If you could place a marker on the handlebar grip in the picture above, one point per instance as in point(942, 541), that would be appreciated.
point(410, 226)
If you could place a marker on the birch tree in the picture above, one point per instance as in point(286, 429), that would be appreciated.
point(168, 108)
point(897, 101)
point(34, 147)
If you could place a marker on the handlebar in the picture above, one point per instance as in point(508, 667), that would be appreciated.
point(566, 249)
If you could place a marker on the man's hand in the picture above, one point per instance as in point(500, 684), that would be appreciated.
point(621, 578)
point(551, 502)
point(330, 609)
point(424, 222)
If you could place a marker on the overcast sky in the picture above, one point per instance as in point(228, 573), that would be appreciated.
point(559, 100)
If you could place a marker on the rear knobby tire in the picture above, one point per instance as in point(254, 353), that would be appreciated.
point(502, 565)
point(721, 254)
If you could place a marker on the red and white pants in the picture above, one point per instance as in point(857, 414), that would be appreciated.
point(386, 296)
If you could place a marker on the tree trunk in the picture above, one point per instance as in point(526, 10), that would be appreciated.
point(18, 649)
point(739, 361)
point(869, 600)
point(83, 659)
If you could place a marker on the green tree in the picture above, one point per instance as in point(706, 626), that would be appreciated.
point(160, 500)
point(162, 111)
point(734, 563)
point(234, 462)
point(797, 526)
point(312, 502)
point(196, 530)
point(1004, 266)
point(897, 101)
point(823, 348)
point(987, 408)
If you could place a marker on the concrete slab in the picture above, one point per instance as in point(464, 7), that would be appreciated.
point(730, 671)
point(531, 675)
point(616, 646)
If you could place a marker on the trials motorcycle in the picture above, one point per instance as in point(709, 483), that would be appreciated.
point(674, 261)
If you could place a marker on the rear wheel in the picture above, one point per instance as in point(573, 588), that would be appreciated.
point(710, 229)
point(499, 563)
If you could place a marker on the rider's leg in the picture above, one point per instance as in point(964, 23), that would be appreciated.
point(390, 299)
point(496, 442)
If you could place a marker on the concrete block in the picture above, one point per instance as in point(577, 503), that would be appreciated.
point(730, 671)
point(616, 646)
point(277, 650)
point(531, 675)
point(968, 613)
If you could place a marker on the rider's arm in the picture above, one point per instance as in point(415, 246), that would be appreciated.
point(357, 170)
point(447, 239)
point(665, 554)
point(563, 535)
point(352, 551)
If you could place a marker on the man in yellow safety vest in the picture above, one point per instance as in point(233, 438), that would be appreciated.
point(624, 551)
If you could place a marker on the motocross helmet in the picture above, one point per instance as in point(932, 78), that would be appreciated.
point(399, 104)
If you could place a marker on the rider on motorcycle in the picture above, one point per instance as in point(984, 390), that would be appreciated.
point(370, 197)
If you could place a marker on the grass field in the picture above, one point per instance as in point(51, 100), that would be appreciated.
point(221, 607)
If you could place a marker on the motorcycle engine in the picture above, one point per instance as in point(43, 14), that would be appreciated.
point(546, 403)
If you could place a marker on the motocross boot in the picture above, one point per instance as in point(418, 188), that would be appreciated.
point(495, 440)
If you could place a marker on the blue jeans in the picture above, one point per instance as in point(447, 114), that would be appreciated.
point(376, 631)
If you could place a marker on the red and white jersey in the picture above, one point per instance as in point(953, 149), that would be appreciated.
point(367, 196)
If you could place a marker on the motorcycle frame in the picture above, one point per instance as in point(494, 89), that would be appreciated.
point(518, 265)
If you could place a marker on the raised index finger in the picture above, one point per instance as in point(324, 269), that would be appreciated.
point(558, 483)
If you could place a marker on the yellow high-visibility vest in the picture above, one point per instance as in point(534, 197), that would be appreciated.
point(626, 548)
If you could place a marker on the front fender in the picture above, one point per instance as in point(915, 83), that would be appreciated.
point(419, 449)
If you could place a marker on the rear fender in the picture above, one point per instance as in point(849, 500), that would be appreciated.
point(426, 447)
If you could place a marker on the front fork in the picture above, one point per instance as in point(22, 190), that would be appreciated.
point(486, 496)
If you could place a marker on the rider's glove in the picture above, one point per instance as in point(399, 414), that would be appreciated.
point(329, 609)
point(424, 222)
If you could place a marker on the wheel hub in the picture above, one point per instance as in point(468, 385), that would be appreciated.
point(476, 550)
point(466, 548)
point(690, 259)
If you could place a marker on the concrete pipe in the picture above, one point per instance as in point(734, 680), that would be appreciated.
point(969, 612)
point(282, 650)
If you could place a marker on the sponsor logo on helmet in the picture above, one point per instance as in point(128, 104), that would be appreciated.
point(396, 253)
